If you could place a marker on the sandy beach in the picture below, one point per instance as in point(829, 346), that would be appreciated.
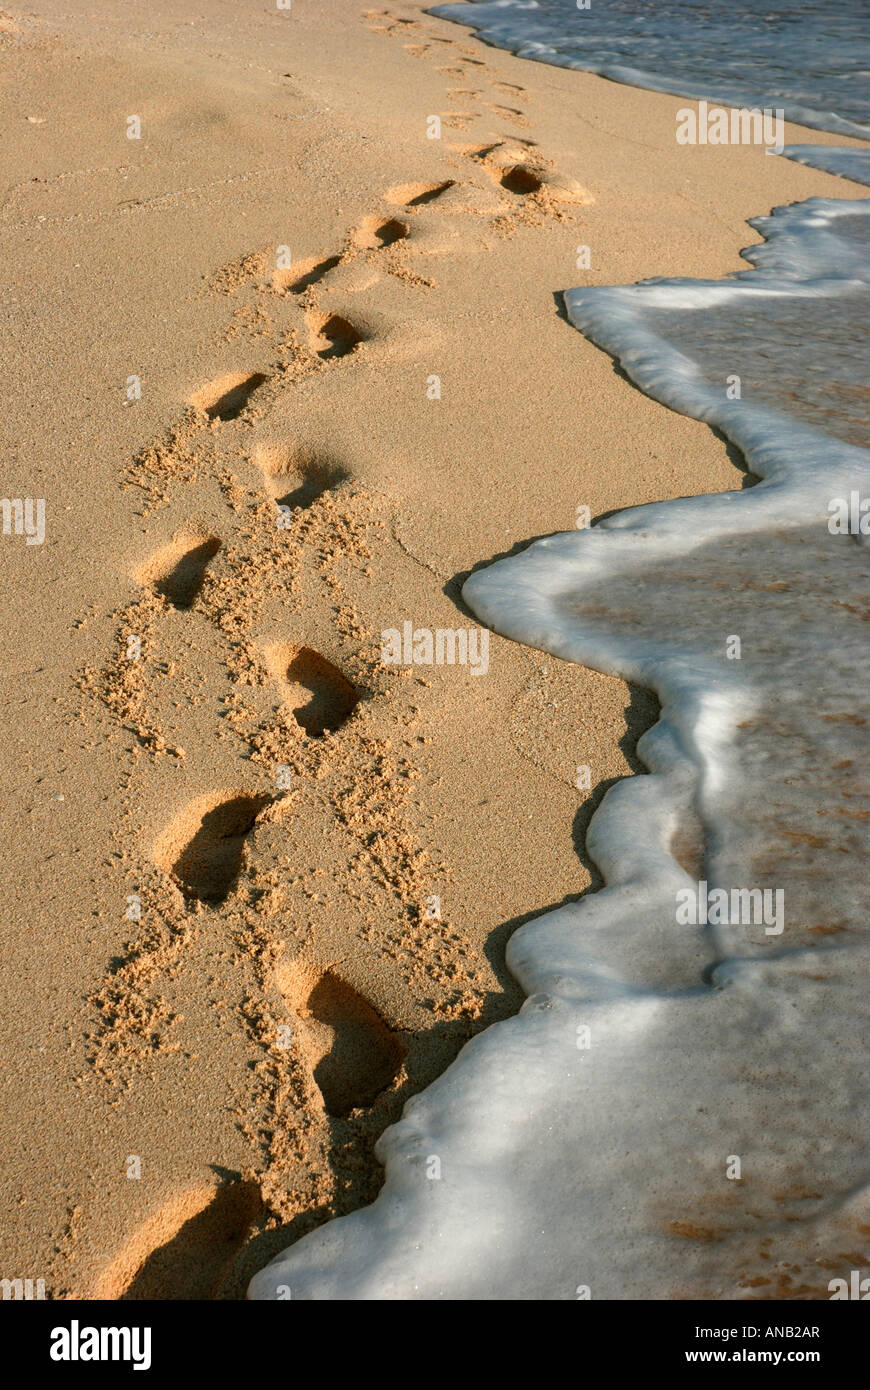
point(286, 358)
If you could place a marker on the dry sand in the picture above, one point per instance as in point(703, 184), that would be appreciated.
point(197, 723)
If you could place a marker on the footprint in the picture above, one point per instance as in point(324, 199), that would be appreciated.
point(298, 277)
point(296, 477)
point(416, 195)
point(416, 50)
point(508, 87)
point(332, 335)
point(226, 398)
point(321, 698)
point(458, 120)
point(178, 570)
point(507, 113)
point(186, 1250)
point(203, 848)
point(479, 152)
point(376, 232)
point(352, 1053)
point(520, 180)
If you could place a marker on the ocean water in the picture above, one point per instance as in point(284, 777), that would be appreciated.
point(851, 163)
point(680, 1108)
point(811, 58)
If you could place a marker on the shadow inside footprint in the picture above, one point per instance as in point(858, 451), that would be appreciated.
point(390, 231)
point(326, 698)
point(376, 232)
point(297, 278)
point(294, 475)
point(187, 1251)
point(352, 1053)
point(204, 847)
point(416, 195)
point(184, 581)
point(334, 336)
point(177, 572)
point(313, 485)
point(520, 180)
point(226, 398)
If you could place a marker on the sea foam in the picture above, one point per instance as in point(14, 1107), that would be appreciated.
point(849, 163)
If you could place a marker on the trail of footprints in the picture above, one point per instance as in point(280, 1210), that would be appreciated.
point(530, 175)
point(353, 1057)
point(191, 1248)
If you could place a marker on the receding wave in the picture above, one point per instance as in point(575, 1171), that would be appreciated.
point(849, 163)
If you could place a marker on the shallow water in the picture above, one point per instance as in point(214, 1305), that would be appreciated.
point(809, 58)
point(851, 163)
